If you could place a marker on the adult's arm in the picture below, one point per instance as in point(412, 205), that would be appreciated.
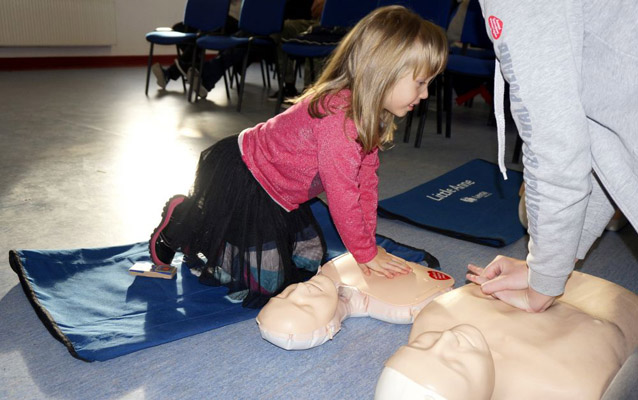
point(539, 45)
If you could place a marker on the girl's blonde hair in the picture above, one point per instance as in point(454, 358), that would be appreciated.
point(384, 46)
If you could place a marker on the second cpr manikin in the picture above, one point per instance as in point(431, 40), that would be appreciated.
point(308, 314)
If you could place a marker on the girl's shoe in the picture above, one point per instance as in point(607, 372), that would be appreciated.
point(160, 246)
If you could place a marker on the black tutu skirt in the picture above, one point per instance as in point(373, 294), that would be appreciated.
point(234, 234)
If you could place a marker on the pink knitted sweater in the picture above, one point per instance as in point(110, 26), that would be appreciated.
point(296, 157)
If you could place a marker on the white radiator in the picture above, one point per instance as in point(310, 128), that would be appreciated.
point(57, 23)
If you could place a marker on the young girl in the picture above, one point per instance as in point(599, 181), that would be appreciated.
point(248, 213)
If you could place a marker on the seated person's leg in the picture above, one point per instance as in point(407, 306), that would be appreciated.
point(213, 69)
point(291, 29)
point(163, 75)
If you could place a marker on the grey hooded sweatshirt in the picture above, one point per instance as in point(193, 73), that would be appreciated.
point(572, 67)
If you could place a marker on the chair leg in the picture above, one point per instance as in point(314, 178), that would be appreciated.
point(423, 114)
point(280, 93)
point(312, 69)
point(231, 70)
point(448, 104)
point(243, 76)
point(234, 76)
point(191, 78)
point(199, 75)
point(263, 76)
point(268, 76)
point(179, 56)
point(439, 104)
point(423, 111)
point(408, 127)
point(279, 79)
point(226, 86)
point(192, 73)
point(148, 68)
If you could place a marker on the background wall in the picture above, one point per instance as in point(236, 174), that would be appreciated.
point(133, 18)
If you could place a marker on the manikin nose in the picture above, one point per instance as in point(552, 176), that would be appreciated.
point(448, 340)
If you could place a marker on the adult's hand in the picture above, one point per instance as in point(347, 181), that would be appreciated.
point(505, 278)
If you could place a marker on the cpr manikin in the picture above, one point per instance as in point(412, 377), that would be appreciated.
point(310, 313)
point(571, 351)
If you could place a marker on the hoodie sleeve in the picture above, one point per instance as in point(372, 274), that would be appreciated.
point(539, 46)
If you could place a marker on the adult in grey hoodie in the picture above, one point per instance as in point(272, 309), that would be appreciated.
point(572, 67)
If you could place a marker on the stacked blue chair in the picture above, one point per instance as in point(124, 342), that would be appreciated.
point(257, 20)
point(203, 15)
point(336, 13)
point(475, 61)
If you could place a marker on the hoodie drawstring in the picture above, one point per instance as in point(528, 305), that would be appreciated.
point(499, 114)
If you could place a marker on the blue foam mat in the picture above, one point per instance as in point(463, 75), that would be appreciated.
point(89, 301)
point(472, 202)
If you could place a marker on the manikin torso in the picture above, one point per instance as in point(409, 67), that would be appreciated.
point(308, 314)
point(571, 351)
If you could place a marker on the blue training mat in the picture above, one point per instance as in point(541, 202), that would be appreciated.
point(87, 299)
point(472, 202)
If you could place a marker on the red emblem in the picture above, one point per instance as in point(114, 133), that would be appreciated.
point(496, 26)
point(439, 276)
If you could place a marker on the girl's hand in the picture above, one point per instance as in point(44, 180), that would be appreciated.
point(386, 264)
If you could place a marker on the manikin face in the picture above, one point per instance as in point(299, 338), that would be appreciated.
point(456, 364)
point(406, 94)
point(301, 307)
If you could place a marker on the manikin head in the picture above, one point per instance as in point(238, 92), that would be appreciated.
point(301, 308)
point(453, 364)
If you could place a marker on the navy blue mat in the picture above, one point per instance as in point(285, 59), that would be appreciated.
point(87, 299)
point(336, 247)
point(472, 202)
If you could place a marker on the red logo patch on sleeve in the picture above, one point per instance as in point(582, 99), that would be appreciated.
point(439, 276)
point(496, 26)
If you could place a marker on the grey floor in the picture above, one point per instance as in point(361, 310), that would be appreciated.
point(88, 161)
